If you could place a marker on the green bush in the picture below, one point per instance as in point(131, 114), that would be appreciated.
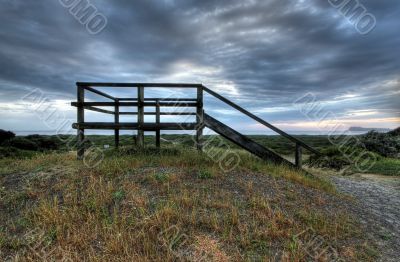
point(387, 145)
point(21, 143)
point(5, 135)
point(395, 132)
point(45, 142)
point(34, 143)
point(13, 152)
point(331, 157)
point(333, 162)
point(338, 158)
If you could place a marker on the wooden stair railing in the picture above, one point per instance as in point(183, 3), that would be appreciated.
point(299, 144)
point(141, 126)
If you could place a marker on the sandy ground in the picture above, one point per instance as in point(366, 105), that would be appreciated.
point(377, 204)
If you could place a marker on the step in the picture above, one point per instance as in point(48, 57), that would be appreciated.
point(243, 141)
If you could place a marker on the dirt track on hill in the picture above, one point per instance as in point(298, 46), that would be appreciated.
point(377, 203)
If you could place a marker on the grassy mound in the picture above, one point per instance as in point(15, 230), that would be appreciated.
point(178, 205)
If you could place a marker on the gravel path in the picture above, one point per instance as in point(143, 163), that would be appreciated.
point(377, 202)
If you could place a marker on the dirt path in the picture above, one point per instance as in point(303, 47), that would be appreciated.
point(377, 203)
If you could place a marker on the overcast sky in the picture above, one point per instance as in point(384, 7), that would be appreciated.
point(264, 55)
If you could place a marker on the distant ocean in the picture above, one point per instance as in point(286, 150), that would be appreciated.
point(110, 132)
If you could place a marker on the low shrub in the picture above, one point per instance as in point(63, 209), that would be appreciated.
point(336, 162)
point(387, 145)
point(330, 157)
point(13, 152)
point(338, 158)
point(5, 135)
point(33, 142)
point(395, 132)
point(45, 142)
point(21, 143)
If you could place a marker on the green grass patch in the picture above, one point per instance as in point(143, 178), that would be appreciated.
point(386, 166)
point(205, 174)
point(161, 177)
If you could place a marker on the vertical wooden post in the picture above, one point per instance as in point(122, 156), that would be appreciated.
point(158, 133)
point(199, 119)
point(140, 136)
point(116, 121)
point(81, 120)
point(298, 156)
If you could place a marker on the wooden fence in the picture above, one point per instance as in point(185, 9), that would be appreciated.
point(196, 104)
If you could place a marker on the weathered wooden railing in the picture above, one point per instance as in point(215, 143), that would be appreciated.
point(299, 144)
point(202, 119)
point(140, 102)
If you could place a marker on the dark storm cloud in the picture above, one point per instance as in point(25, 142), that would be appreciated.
point(274, 50)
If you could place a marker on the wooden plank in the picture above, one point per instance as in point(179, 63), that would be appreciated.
point(171, 99)
point(116, 121)
point(161, 113)
point(298, 156)
point(159, 99)
point(199, 119)
point(170, 85)
point(92, 108)
point(243, 141)
point(81, 119)
point(109, 104)
point(140, 119)
point(135, 126)
point(244, 111)
point(98, 92)
point(158, 133)
point(124, 104)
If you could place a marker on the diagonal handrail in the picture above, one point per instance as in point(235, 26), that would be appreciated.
point(261, 121)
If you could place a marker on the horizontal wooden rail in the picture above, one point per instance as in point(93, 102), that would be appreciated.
point(169, 85)
point(158, 99)
point(135, 126)
point(92, 108)
point(161, 113)
point(99, 92)
point(261, 121)
point(165, 104)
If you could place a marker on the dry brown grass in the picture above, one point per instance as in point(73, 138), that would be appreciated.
point(159, 208)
